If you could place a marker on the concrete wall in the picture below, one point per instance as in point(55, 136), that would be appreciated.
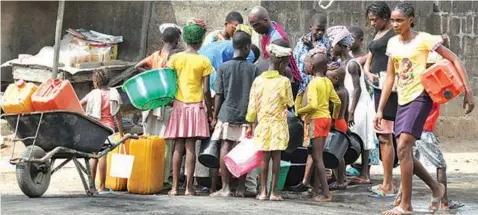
point(28, 33)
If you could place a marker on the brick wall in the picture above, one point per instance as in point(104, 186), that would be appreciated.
point(457, 18)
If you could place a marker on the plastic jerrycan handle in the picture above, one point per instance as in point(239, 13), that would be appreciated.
point(53, 86)
point(20, 83)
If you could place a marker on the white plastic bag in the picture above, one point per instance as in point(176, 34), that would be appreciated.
point(121, 164)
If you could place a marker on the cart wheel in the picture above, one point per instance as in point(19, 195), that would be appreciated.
point(33, 178)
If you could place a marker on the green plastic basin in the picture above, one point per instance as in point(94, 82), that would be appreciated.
point(151, 89)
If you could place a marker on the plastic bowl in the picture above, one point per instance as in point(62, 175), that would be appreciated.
point(152, 89)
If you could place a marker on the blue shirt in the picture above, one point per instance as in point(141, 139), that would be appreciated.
point(218, 53)
point(301, 50)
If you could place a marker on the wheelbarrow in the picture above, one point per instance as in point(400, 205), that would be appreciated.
point(49, 136)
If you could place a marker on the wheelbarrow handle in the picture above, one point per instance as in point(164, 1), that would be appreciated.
point(116, 144)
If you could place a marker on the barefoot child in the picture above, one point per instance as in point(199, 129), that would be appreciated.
point(271, 95)
point(319, 92)
point(337, 78)
point(233, 83)
point(188, 121)
point(102, 104)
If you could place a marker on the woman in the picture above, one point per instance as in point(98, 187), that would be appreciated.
point(408, 54)
point(188, 121)
point(360, 107)
point(379, 15)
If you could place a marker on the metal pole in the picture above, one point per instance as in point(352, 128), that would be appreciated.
point(59, 27)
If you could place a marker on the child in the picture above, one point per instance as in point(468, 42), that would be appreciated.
point(337, 78)
point(170, 39)
point(233, 83)
point(319, 92)
point(188, 121)
point(155, 121)
point(102, 104)
point(271, 95)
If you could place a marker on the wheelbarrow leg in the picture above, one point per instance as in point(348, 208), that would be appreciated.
point(80, 169)
point(90, 179)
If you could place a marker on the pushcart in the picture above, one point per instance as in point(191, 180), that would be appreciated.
point(57, 135)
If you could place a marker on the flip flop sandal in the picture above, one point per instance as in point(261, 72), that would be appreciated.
point(374, 188)
point(453, 205)
point(106, 192)
point(170, 193)
point(300, 188)
point(353, 172)
point(434, 201)
point(397, 211)
point(379, 194)
point(334, 186)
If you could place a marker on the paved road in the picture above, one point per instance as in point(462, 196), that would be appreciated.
point(71, 200)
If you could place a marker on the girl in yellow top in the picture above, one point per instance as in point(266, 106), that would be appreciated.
point(408, 53)
point(270, 96)
point(319, 92)
point(188, 121)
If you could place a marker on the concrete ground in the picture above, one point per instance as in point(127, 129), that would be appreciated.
point(66, 196)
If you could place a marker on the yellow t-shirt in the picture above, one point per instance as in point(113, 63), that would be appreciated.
point(319, 92)
point(190, 70)
point(410, 61)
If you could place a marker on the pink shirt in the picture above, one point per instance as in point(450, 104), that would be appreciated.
point(106, 117)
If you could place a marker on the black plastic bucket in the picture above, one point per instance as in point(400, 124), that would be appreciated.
point(354, 150)
point(335, 147)
point(209, 153)
point(296, 132)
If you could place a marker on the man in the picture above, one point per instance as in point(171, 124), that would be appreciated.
point(271, 31)
point(233, 19)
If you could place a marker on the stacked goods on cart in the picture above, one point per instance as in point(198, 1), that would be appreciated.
point(18, 97)
point(56, 94)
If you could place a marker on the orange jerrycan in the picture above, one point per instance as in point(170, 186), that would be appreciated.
point(442, 82)
point(147, 175)
point(18, 97)
point(114, 183)
point(56, 94)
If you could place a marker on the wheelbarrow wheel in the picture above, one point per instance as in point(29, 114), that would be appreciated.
point(33, 178)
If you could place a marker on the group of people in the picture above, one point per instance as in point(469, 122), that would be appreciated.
point(229, 89)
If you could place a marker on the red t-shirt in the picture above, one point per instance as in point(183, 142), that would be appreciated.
point(432, 118)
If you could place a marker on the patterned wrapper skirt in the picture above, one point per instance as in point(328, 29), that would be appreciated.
point(187, 121)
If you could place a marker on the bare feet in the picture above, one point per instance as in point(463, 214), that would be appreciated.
point(323, 198)
point(221, 193)
point(275, 197)
point(398, 198)
point(262, 196)
point(360, 180)
point(190, 192)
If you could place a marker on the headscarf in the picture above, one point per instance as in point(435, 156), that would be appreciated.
point(279, 51)
point(340, 35)
point(163, 27)
point(194, 31)
point(317, 50)
point(244, 28)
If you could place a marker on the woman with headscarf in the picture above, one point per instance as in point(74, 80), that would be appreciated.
point(361, 112)
point(188, 121)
